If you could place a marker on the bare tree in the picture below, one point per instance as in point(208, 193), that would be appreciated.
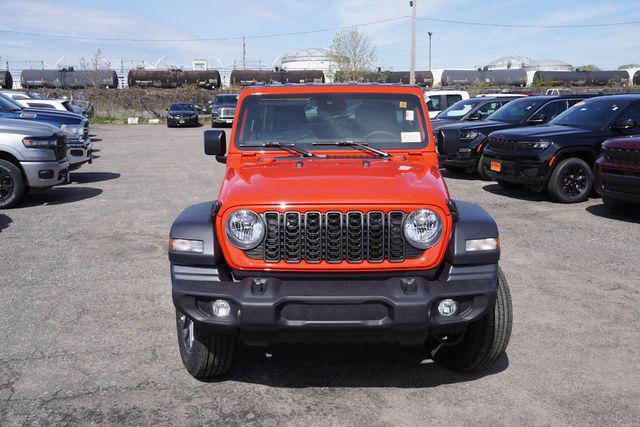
point(588, 67)
point(352, 53)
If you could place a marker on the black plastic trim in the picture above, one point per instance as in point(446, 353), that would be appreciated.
point(473, 223)
point(195, 223)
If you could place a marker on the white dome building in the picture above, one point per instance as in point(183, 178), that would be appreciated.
point(308, 59)
point(549, 65)
point(509, 63)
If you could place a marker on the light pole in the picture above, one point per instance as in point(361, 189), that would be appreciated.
point(430, 34)
point(412, 69)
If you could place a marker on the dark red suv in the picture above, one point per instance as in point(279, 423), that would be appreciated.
point(618, 172)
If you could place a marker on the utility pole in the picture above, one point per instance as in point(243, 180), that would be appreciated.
point(244, 55)
point(430, 34)
point(412, 70)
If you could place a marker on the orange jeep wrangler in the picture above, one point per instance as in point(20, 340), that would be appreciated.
point(333, 222)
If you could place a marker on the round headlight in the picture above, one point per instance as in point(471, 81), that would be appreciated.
point(245, 229)
point(422, 228)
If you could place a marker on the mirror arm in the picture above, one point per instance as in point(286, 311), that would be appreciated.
point(221, 159)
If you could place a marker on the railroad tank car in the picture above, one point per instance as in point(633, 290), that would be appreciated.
point(423, 78)
point(6, 80)
point(581, 78)
point(461, 78)
point(68, 79)
point(170, 79)
point(504, 77)
point(298, 76)
point(250, 77)
point(636, 78)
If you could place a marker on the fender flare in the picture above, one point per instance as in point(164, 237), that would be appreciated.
point(197, 222)
point(473, 222)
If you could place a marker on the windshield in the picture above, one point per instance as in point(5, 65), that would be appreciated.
point(226, 99)
point(379, 120)
point(8, 104)
point(458, 110)
point(182, 107)
point(516, 110)
point(591, 114)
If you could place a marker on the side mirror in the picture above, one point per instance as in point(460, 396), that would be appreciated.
point(627, 123)
point(474, 116)
point(448, 141)
point(537, 119)
point(215, 144)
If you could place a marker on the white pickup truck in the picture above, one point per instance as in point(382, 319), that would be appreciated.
point(440, 100)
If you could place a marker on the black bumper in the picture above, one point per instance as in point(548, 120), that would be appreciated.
point(187, 122)
point(400, 308)
point(620, 187)
point(526, 171)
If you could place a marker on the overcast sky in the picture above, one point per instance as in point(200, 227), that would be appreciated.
point(453, 45)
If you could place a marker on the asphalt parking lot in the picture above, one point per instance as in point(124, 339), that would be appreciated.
point(88, 332)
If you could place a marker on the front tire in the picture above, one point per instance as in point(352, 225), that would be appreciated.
point(12, 185)
point(482, 174)
point(205, 354)
point(484, 340)
point(571, 181)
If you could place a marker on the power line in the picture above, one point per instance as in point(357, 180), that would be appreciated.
point(486, 24)
point(199, 39)
point(321, 30)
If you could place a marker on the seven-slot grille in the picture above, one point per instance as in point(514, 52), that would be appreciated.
point(334, 237)
point(621, 155)
point(503, 144)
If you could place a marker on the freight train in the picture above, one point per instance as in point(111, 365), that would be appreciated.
point(513, 78)
point(6, 80)
point(68, 78)
point(209, 79)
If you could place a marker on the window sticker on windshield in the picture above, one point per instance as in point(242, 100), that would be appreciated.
point(408, 115)
point(408, 137)
point(403, 104)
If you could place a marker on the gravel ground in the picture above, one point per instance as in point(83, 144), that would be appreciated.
point(88, 330)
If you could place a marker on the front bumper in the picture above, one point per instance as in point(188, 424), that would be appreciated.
point(45, 174)
point(531, 171)
point(79, 154)
point(268, 309)
point(618, 182)
point(182, 121)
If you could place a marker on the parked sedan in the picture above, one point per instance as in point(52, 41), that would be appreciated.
point(182, 115)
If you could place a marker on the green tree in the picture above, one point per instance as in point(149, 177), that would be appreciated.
point(588, 67)
point(352, 54)
point(625, 66)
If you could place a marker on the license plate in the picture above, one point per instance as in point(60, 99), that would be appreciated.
point(229, 120)
point(181, 121)
point(496, 166)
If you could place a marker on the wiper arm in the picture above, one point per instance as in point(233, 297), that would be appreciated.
point(355, 144)
point(291, 148)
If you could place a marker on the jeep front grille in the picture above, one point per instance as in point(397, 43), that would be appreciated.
point(622, 155)
point(334, 237)
point(503, 144)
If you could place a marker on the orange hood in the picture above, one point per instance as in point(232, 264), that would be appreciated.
point(317, 182)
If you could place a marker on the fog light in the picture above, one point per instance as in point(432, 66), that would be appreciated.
point(183, 245)
point(490, 244)
point(447, 307)
point(45, 174)
point(221, 308)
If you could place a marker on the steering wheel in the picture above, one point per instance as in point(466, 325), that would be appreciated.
point(381, 132)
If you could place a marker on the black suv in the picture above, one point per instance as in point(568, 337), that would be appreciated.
point(561, 155)
point(533, 110)
point(471, 109)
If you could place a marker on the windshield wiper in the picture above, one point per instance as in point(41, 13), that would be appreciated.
point(355, 144)
point(291, 148)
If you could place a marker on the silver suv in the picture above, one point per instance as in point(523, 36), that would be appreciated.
point(32, 156)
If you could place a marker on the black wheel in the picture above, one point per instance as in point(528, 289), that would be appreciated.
point(484, 340)
point(571, 181)
point(482, 174)
point(614, 205)
point(509, 185)
point(205, 354)
point(12, 185)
